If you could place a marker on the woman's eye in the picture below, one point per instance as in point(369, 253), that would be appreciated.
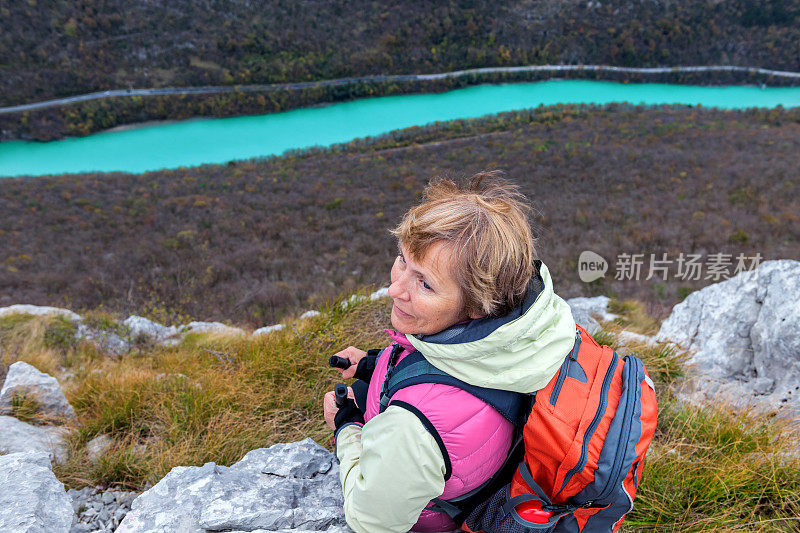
point(427, 287)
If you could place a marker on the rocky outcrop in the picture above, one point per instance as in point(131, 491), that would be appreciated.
point(743, 336)
point(584, 311)
point(287, 487)
point(39, 310)
point(96, 447)
point(121, 338)
point(741, 332)
point(24, 379)
point(380, 293)
point(32, 500)
point(17, 436)
point(268, 329)
point(142, 328)
point(293, 488)
point(111, 341)
point(211, 327)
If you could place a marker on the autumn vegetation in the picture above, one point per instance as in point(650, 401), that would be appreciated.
point(56, 49)
point(252, 241)
point(213, 398)
point(260, 241)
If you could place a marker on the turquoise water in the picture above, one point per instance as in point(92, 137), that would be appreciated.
point(197, 142)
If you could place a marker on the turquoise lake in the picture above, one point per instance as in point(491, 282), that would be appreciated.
point(201, 141)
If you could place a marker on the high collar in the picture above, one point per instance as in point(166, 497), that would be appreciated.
point(520, 351)
point(400, 339)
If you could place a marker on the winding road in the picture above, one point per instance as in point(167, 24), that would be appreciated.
point(386, 78)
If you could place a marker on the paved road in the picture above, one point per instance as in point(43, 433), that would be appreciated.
point(390, 78)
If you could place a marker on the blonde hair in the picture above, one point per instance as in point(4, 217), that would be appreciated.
point(484, 222)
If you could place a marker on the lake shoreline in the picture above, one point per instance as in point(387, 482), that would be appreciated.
point(83, 118)
point(157, 145)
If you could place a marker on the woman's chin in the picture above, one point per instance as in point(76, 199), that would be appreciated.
point(400, 325)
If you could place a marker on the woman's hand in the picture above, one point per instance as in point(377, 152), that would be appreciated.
point(354, 355)
point(329, 407)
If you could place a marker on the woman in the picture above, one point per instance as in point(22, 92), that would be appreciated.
point(469, 294)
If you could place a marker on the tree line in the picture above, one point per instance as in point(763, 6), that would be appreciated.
point(53, 49)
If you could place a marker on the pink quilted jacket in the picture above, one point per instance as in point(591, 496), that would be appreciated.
point(476, 437)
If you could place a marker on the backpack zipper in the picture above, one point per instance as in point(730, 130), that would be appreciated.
point(601, 409)
point(626, 424)
point(564, 372)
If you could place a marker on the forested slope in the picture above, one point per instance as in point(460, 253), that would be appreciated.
point(52, 49)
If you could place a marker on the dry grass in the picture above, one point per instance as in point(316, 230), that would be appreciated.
point(716, 469)
point(46, 342)
point(632, 317)
point(213, 398)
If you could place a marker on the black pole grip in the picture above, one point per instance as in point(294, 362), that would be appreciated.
point(341, 394)
point(339, 362)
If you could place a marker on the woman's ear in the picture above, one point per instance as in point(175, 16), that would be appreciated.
point(474, 316)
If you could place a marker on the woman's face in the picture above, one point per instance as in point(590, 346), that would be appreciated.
point(426, 296)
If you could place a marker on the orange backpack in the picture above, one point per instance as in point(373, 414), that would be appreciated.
point(577, 463)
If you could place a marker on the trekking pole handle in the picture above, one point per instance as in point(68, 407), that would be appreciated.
point(339, 362)
point(340, 391)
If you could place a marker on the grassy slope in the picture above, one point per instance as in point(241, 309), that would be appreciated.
point(708, 469)
point(254, 240)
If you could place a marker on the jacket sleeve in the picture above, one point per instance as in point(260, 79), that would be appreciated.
point(390, 469)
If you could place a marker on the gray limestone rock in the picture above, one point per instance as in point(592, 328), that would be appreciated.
point(742, 333)
point(630, 336)
point(293, 487)
point(99, 510)
point(211, 327)
point(109, 341)
point(32, 500)
point(24, 309)
point(141, 327)
point(354, 299)
point(332, 529)
point(380, 293)
point(96, 447)
point(775, 334)
point(268, 329)
point(23, 378)
point(17, 436)
point(303, 459)
point(584, 310)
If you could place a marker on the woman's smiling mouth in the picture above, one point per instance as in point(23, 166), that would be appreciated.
point(401, 312)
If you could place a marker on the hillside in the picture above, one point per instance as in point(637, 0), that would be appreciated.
point(213, 398)
point(255, 240)
point(49, 50)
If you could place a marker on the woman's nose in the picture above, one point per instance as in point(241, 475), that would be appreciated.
point(398, 289)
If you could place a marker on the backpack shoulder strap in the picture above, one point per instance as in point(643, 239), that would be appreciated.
point(414, 369)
